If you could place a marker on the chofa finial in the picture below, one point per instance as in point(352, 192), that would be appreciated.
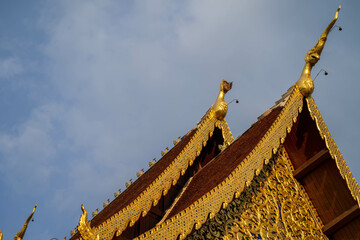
point(21, 233)
point(305, 82)
point(220, 106)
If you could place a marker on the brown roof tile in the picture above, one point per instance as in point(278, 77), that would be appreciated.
point(134, 190)
point(221, 166)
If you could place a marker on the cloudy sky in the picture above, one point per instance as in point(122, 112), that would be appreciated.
point(93, 90)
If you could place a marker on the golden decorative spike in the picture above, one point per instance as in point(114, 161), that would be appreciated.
point(305, 82)
point(84, 227)
point(72, 232)
point(116, 194)
point(139, 174)
point(106, 203)
point(1, 235)
point(220, 106)
point(165, 151)
point(176, 141)
point(127, 184)
point(95, 212)
point(21, 233)
point(152, 163)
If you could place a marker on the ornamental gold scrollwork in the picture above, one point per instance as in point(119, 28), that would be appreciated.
point(333, 149)
point(273, 207)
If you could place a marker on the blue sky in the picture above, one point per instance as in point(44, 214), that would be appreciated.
point(93, 90)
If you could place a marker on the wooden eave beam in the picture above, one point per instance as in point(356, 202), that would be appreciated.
point(341, 220)
point(311, 164)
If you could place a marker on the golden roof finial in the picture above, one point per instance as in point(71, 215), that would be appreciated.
point(84, 227)
point(152, 163)
point(176, 141)
point(220, 106)
point(139, 174)
point(165, 151)
point(105, 204)
point(21, 233)
point(96, 212)
point(305, 82)
point(116, 194)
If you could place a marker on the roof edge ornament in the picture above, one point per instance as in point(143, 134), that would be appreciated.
point(305, 82)
point(220, 107)
point(21, 233)
point(84, 228)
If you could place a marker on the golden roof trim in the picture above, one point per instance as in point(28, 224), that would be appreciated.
point(160, 186)
point(334, 150)
point(197, 213)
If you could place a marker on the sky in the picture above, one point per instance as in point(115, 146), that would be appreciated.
point(91, 91)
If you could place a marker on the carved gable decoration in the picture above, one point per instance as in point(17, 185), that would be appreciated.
point(274, 206)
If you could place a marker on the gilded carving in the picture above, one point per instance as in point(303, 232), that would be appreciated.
point(272, 207)
point(84, 228)
point(333, 149)
point(212, 202)
point(142, 204)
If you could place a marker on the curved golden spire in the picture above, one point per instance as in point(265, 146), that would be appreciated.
point(305, 81)
point(21, 233)
point(220, 106)
point(84, 227)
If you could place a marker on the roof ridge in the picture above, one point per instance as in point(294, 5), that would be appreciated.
point(221, 195)
point(333, 150)
point(169, 176)
point(168, 211)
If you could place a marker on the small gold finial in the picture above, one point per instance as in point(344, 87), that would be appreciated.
point(127, 184)
point(223, 146)
point(106, 203)
point(165, 151)
point(152, 163)
point(116, 194)
point(176, 141)
point(220, 106)
point(96, 212)
point(305, 82)
point(139, 174)
point(21, 233)
point(84, 227)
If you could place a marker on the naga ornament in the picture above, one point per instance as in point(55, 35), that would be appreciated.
point(305, 82)
point(84, 227)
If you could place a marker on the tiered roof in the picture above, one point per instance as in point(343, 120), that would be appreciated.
point(207, 170)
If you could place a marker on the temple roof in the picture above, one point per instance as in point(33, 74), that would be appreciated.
point(229, 173)
point(222, 165)
point(140, 185)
